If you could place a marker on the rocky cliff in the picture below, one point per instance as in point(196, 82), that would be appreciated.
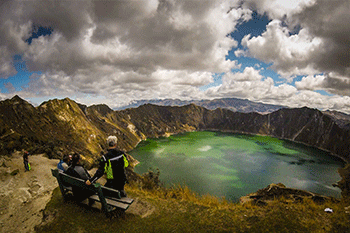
point(59, 126)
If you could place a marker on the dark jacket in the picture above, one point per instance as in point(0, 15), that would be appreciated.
point(78, 171)
point(117, 162)
point(25, 157)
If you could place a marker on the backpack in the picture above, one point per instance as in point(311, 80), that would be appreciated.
point(59, 166)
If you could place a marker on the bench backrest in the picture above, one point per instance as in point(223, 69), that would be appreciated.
point(67, 180)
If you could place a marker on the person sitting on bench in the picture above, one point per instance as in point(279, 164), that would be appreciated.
point(77, 170)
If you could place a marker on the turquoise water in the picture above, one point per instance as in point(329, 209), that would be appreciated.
point(233, 165)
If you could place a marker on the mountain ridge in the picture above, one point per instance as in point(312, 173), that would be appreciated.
point(59, 126)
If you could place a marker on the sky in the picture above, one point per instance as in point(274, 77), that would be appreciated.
point(294, 53)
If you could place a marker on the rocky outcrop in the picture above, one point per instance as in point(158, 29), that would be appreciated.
point(277, 191)
point(344, 183)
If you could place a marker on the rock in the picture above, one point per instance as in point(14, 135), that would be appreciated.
point(275, 191)
point(14, 172)
point(24, 195)
point(34, 187)
point(3, 162)
point(344, 183)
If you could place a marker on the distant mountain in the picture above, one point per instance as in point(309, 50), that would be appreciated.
point(233, 104)
point(342, 119)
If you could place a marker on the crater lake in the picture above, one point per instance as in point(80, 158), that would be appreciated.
point(234, 165)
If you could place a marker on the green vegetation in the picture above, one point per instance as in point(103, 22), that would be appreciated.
point(178, 209)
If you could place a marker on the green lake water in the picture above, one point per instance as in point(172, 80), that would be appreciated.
point(233, 165)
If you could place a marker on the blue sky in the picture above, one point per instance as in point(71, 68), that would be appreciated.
point(115, 52)
point(255, 27)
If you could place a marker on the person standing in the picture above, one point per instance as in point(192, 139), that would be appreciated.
point(26, 160)
point(113, 163)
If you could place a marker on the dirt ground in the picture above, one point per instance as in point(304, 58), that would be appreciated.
point(24, 195)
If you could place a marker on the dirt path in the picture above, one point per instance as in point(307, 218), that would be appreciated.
point(24, 195)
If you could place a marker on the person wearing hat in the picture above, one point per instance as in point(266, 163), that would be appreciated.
point(113, 163)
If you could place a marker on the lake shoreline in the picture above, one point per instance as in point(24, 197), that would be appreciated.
point(234, 176)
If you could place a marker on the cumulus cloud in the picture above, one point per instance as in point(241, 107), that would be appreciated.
point(307, 38)
point(310, 82)
point(129, 35)
point(252, 85)
point(278, 9)
point(331, 83)
point(289, 54)
point(99, 47)
point(322, 102)
point(320, 46)
point(329, 22)
point(119, 51)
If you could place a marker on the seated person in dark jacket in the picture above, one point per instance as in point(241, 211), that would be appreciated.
point(78, 171)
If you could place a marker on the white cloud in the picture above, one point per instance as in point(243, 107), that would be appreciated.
point(249, 74)
point(332, 83)
point(290, 54)
point(279, 8)
point(134, 36)
point(252, 85)
point(118, 51)
point(315, 100)
point(320, 46)
point(311, 83)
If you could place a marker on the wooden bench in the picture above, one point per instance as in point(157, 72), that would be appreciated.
point(110, 199)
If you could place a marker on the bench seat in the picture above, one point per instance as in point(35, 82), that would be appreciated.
point(110, 199)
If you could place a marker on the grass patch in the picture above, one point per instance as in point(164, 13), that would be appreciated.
point(178, 209)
